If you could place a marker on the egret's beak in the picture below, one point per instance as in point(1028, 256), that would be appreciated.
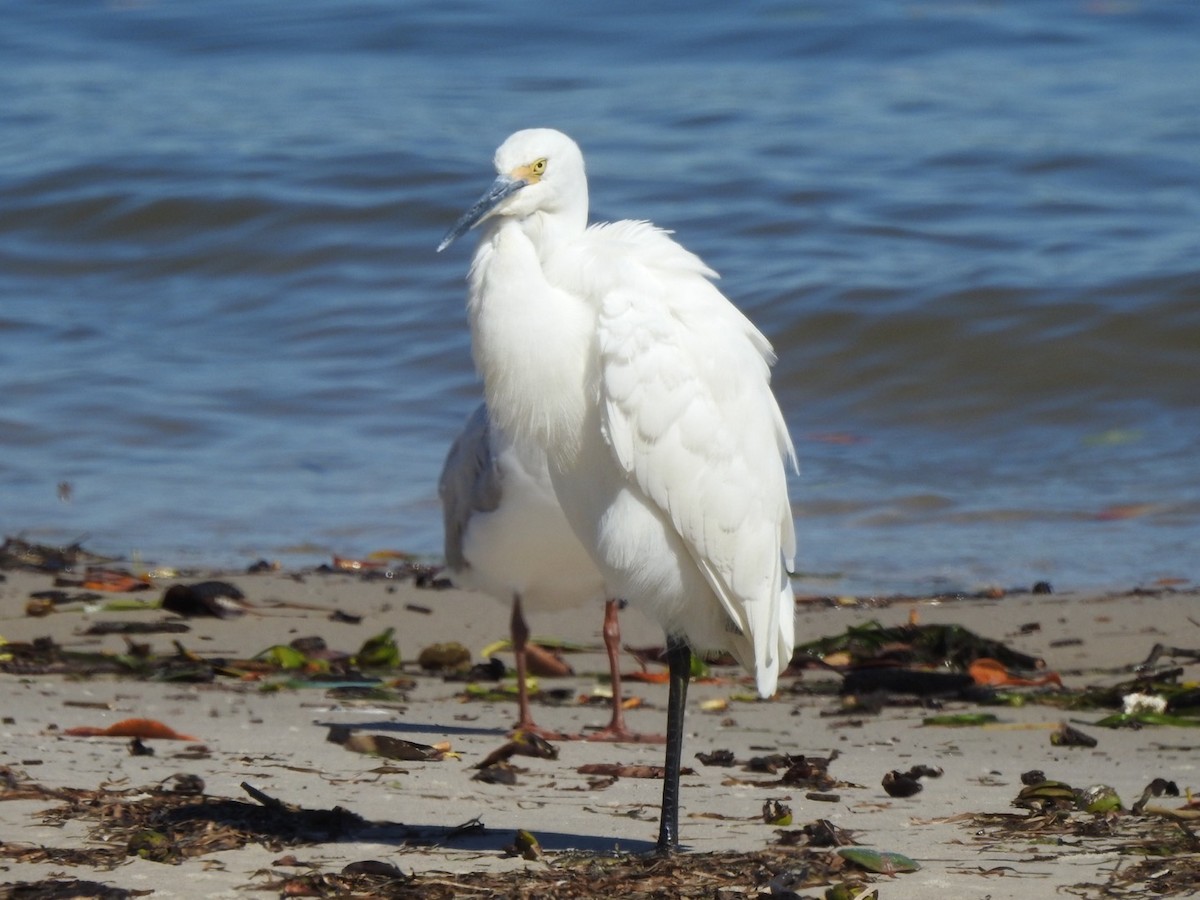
point(502, 187)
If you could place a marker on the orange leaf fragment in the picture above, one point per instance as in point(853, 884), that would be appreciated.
point(133, 728)
point(648, 677)
point(545, 663)
point(113, 580)
point(992, 673)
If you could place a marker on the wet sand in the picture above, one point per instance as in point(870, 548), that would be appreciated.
point(276, 741)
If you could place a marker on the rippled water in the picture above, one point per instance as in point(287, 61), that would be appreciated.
point(970, 229)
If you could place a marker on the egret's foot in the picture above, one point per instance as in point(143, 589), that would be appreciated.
point(625, 736)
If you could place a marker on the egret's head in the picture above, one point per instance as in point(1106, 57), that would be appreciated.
point(540, 170)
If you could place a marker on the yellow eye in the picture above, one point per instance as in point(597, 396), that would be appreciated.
point(538, 167)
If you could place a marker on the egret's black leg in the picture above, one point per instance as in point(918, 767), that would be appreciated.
point(679, 660)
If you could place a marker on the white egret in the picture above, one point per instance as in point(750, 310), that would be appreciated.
point(610, 348)
point(506, 535)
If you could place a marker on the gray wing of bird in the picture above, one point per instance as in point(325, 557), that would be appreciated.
point(469, 483)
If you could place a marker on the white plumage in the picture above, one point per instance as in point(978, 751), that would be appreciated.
point(610, 348)
point(506, 535)
point(505, 532)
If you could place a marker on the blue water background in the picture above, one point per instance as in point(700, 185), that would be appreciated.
point(971, 230)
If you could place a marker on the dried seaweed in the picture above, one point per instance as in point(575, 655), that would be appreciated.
point(171, 826)
point(1176, 877)
point(16, 553)
point(575, 876)
point(62, 889)
point(937, 645)
point(1166, 849)
point(168, 825)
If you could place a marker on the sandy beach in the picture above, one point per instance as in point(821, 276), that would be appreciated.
point(72, 803)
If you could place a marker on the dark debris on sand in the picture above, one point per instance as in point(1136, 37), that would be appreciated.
point(168, 826)
point(712, 876)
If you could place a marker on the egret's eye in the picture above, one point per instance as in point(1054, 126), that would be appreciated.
point(538, 167)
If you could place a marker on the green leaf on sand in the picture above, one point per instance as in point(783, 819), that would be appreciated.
point(961, 720)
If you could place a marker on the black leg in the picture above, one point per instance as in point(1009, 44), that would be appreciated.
point(679, 660)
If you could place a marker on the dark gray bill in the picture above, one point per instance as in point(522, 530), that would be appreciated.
point(502, 187)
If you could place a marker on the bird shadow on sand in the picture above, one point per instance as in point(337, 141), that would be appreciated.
point(271, 819)
point(499, 840)
point(165, 825)
point(299, 825)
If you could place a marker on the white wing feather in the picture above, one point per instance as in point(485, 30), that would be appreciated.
point(688, 410)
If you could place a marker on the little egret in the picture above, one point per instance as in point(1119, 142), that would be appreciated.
point(506, 535)
point(610, 348)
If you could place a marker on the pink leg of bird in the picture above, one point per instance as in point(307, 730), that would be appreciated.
point(520, 637)
point(616, 730)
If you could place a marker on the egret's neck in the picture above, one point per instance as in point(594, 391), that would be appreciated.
point(549, 230)
point(532, 341)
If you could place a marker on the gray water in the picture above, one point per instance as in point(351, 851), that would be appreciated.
point(970, 229)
